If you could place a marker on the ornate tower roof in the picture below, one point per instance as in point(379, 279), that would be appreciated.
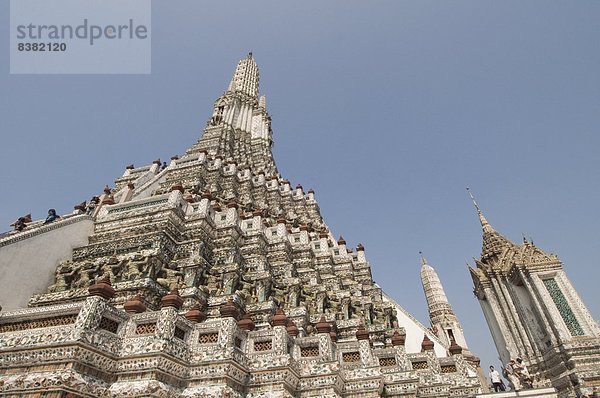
point(499, 252)
point(494, 244)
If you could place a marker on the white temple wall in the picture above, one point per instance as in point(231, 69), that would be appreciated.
point(522, 346)
point(415, 331)
point(529, 314)
point(28, 266)
point(497, 335)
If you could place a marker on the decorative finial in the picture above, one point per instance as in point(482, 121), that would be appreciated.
point(473, 200)
point(250, 55)
point(482, 220)
point(423, 261)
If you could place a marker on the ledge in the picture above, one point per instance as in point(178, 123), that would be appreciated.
point(34, 230)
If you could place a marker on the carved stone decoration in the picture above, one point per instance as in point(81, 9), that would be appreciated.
point(229, 310)
point(427, 344)
point(279, 319)
point(362, 333)
point(246, 323)
point(102, 288)
point(292, 329)
point(195, 314)
point(455, 349)
point(333, 335)
point(323, 326)
point(398, 339)
point(177, 187)
point(135, 305)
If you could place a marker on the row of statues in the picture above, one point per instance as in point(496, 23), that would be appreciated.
point(252, 280)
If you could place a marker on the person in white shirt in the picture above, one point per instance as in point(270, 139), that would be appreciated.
point(496, 380)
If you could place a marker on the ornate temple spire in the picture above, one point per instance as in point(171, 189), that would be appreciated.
point(444, 322)
point(494, 244)
point(246, 77)
point(437, 301)
point(239, 130)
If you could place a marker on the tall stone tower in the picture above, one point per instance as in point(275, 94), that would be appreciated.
point(213, 277)
point(534, 312)
point(444, 322)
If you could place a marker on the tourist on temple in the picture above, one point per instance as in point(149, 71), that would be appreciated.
point(52, 216)
point(92, 205)
point(513, 377)
point(523, 374)
point(19, 225)
point(496, 380)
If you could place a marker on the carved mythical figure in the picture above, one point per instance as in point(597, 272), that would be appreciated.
point(87, 274)
point(322, 302)
point(231, 257)
point(170, 276)
point(368, 313)
point(133, 267)
point(150, 268)
point(262, 290)
point(192, 276)
point(278, 294)
point(293, 295)
point(245, 291)
point(346, 308)
point(389, 315)
point(64, 276)
point(230, 282)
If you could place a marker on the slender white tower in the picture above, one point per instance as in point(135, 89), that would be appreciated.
point(444, 322)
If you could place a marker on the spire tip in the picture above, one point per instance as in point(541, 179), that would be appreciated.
point(473, 200)
point(482, 220)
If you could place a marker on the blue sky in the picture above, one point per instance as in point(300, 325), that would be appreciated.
point(387, 109)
